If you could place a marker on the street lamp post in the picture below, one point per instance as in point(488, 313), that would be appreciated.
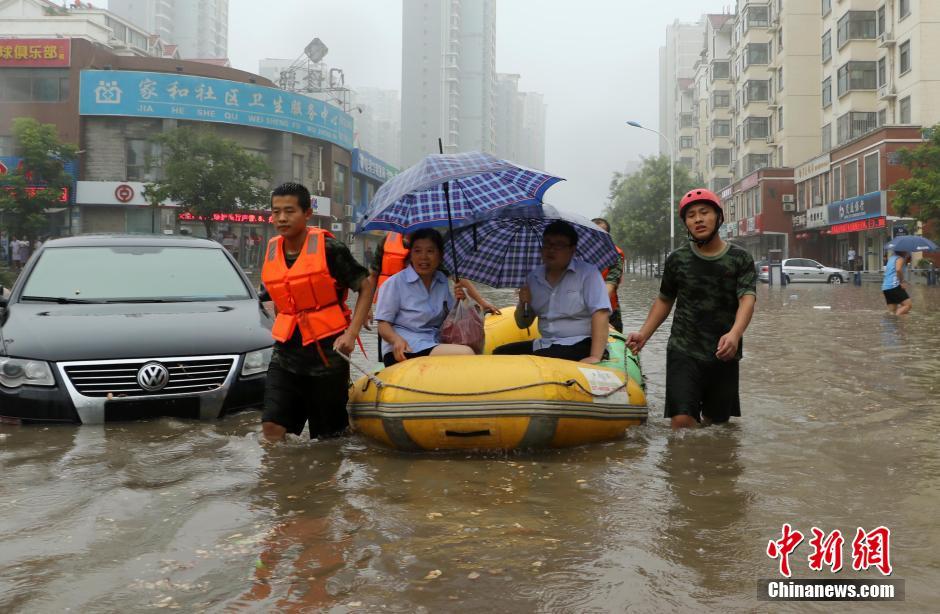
point(672, 184)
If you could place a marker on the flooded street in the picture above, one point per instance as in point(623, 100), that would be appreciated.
point(839, 430)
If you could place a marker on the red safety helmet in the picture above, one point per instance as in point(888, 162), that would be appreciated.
point(699, 195)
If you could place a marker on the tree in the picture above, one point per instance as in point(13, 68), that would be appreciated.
point(920, 195)
point(36, 185)
point(639, 207)
point(207, 174)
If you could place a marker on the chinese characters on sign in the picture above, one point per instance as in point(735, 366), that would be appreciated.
point(255, 217)
point(869, 549)
point(860, 225)
point(35, 52)
point(175, 96)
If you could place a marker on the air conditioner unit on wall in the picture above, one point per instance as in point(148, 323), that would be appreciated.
point(788, 198)
point(789, 206)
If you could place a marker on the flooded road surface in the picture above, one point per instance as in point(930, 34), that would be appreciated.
point(840, 430)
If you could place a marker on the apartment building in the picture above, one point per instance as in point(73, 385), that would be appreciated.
point(713, 99)
point(199, 27)
point(908, 74)
point(795, 72)
point(676, 68)
point(751, 53)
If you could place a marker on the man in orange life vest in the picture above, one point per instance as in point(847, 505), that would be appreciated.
point(308, 273)
point(612, 276)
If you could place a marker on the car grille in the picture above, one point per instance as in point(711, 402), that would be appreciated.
point(187, 376)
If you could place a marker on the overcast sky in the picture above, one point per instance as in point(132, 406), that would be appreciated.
point(596, 62)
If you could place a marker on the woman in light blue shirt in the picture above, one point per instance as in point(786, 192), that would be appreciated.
point(414, 302)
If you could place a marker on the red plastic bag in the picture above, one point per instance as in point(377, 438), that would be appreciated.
point(464, 326)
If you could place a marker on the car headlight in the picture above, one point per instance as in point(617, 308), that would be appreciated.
point(16, 372)
point(257, 361)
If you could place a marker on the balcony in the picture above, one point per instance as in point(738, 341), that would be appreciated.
point(886, 40)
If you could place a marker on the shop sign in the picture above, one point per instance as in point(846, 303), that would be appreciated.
point(813, 168)
point(253, 217)
point(858, 226)
point(799, 221)
point(751, 225)
point(899, 230)
point(816, 217)
point(749, 182)
point(35, 52)
point(32, 190)
point(124, 193)
point(858, 208)
point(129, 93)
point(364, 163)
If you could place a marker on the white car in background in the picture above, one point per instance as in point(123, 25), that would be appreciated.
point(807, 270)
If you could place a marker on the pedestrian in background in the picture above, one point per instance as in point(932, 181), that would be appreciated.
point(894, 283)
point(851, 258)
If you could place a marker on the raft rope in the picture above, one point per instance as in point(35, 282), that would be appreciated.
point(571, 383)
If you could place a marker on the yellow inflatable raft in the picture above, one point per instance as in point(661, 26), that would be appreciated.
point(500, 402)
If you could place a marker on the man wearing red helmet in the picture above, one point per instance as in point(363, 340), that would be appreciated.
point(714, 284)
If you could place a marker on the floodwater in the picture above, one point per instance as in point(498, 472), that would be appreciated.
point(840, 424)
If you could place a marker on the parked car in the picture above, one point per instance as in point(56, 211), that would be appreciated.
point(807, 270)
point(102, 328)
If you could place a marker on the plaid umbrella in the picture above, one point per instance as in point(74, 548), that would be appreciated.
point(500, 249)
point(451, 187)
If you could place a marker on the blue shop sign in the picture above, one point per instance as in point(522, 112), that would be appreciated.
point(175, 96)
point(856, 208)
point(364, 163)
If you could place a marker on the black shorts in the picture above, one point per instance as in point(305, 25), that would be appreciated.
point(291, 400)
point(701, 388)
point(576, 351)
point(389, 359)
point(895, 296)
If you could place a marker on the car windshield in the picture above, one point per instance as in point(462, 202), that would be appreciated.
point(134, 274)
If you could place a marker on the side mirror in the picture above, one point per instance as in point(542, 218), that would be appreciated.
point(819, 266)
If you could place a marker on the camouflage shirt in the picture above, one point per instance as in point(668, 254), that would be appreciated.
point(302, 359)
point(615, 273)
point(706, 290)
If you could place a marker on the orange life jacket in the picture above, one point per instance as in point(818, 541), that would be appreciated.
point(394, 259)
point(305, 294)
point(614, 301)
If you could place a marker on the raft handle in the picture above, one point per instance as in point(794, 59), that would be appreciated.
point(483, 433)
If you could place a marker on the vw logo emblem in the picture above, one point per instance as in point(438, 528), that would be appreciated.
point(153, 376)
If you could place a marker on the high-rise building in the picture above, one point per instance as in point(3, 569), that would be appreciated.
point(377, 113)
point(199, 27)
point(520, 123)
point(676, 68)
point(713, 93)
point(448, 77)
